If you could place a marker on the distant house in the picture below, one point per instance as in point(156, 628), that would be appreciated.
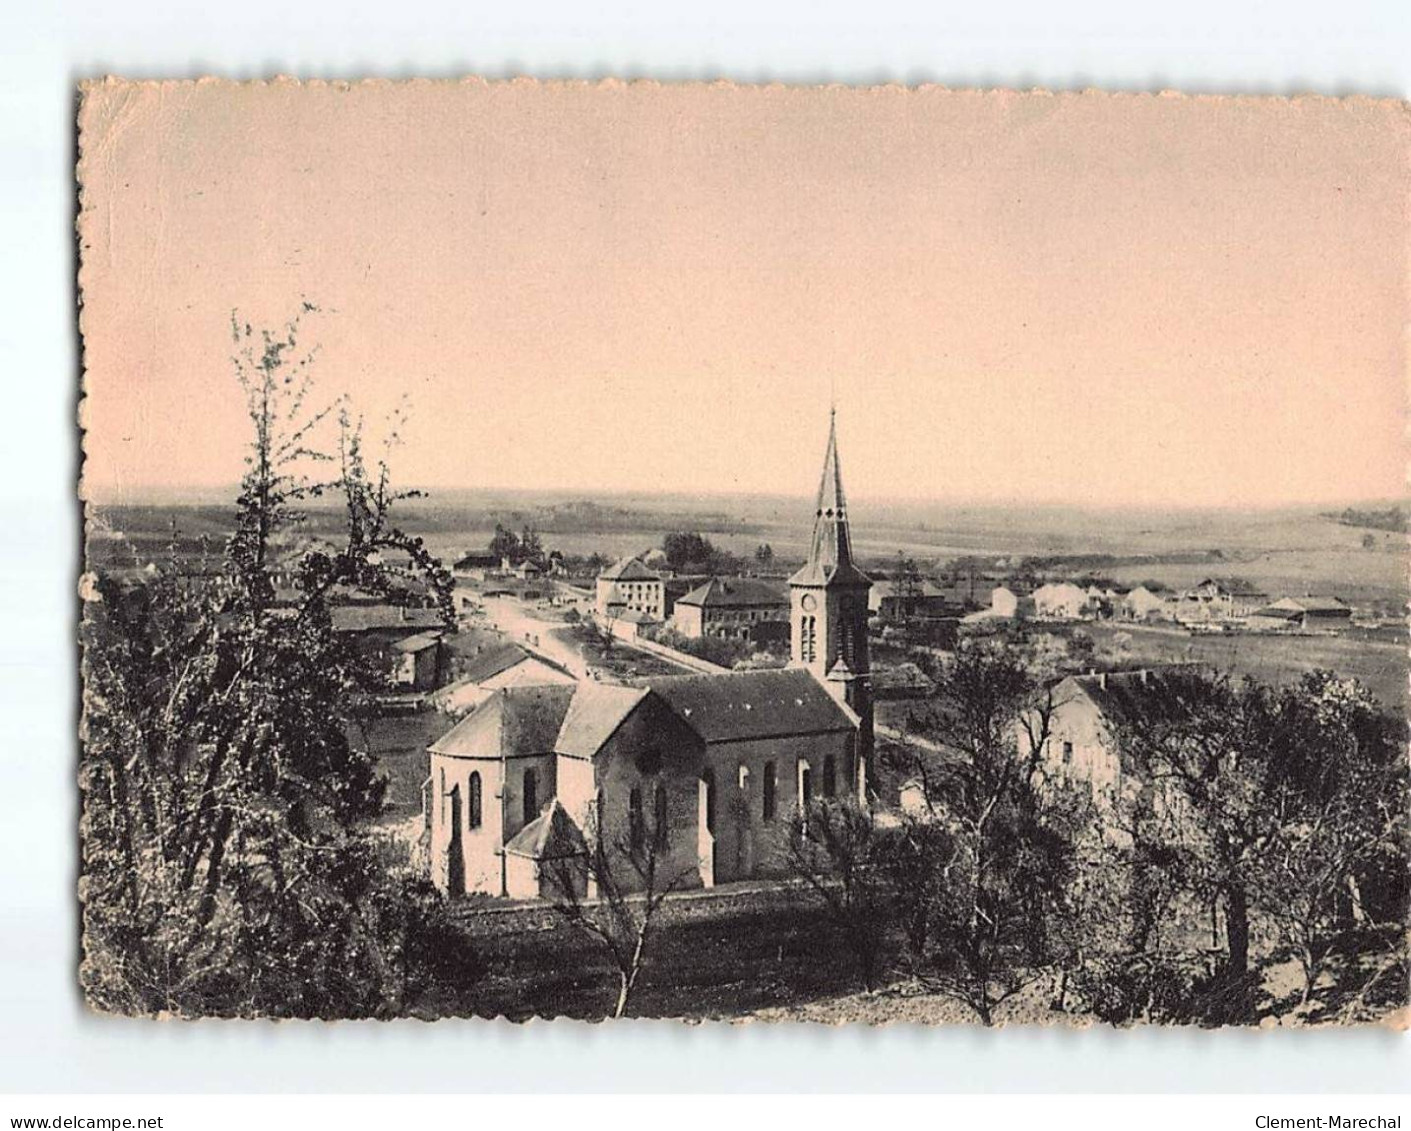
point(1302, 614)
point(1005, 604)
point(1220, 599)
point(892, 599)
point(1143, 604)
point(629, 586)
point(475, 566)
point(732, 607)
point(417, 662)
point(1060, 600)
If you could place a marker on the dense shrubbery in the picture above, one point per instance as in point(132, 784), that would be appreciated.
point(226, 864)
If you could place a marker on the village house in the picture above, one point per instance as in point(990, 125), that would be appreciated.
point(629, 586)
point(475, 566)
point(710, 767)
point(740, 608)
point(403, 642)
point(1087, 714)
point(1220, 599)
point(1060, 600)
point(1144, 604)
point(892, 599)
point(1302, 614)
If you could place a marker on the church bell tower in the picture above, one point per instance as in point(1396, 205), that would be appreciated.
point(828, 606)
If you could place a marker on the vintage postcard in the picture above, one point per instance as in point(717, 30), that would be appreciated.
point(721, 552)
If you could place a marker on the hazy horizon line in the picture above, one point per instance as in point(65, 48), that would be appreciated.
point(169, 495)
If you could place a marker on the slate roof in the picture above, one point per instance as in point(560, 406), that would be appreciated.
point(594, 715)
point(373, 618)
point(752, 705)
point(550, 836)
point(629, 569)
point(736, 593)
point(513, 721)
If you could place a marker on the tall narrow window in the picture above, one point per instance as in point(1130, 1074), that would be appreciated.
point(767, 786)
point(662, 829)
point(805, 784)
point(472, 811)
point(531, 796)
point(708, 780)
point(636, 832)
point(830, 776)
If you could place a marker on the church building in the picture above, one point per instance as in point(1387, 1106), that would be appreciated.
point(711, 767)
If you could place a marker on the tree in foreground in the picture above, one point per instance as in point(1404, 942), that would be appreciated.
point(613, 894)
point(838, 850)
point(226, 866)
point(985, 872)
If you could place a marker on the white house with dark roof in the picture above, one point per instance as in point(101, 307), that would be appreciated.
point(711, 767)
point(629, 586)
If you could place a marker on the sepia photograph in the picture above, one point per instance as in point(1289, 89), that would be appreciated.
point(812, 554)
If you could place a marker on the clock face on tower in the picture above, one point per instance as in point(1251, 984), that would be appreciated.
point(809, 602)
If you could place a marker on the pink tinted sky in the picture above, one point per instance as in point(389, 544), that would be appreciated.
point(1105, 300)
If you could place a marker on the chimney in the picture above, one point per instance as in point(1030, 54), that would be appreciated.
point(1102, 680)
point(1142, 676)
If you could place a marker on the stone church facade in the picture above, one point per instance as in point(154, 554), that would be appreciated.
point(712, 767)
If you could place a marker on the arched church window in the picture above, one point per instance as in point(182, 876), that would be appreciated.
point(768, 785)
point(472, 811)
point(636, 833)
point(830, 776)
point(662, 830)
point(708, 782)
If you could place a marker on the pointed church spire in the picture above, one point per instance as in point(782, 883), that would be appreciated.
point(830, 553)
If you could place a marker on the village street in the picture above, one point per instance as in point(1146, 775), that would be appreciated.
point(521, 624)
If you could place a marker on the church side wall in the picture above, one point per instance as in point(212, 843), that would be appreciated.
point(747, 844)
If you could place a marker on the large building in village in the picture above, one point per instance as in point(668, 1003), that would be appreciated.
point(713, 765)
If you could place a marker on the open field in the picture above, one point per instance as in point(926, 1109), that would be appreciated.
point(1273, 659)
point(1293, 550)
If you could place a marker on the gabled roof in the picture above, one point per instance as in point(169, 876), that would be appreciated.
point(371, 618)
point(478, 561)
point(493, 660)
point(629, 569)
point(594, 715)
point(1234, 586)
point(552, 835)
point(735, 593)
point(1313, 605)
point(418, 643)
point(748, 705)
point(513, 721)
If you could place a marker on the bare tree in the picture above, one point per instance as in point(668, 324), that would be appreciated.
point(613, 894)
point(985, 870)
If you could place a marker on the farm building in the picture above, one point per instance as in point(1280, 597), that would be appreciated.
point(1219, 599)
point(1302, 614)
